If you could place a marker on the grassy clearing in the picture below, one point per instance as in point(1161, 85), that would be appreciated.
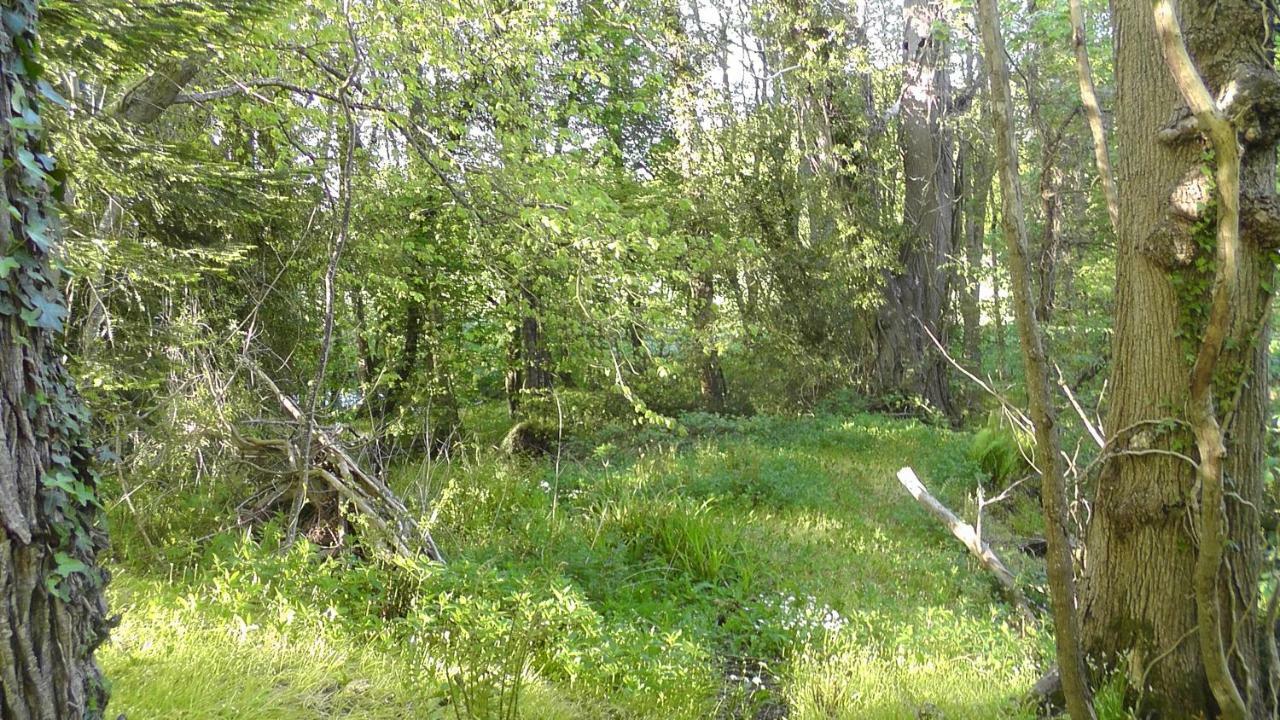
point(748, 569)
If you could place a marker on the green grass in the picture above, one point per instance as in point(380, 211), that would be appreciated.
point(746, 566)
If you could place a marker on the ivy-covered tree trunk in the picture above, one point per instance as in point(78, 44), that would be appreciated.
point(1138, 607)
point(52, 612)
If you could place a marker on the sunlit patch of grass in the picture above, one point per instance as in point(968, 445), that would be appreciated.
point(783, 545)
point(173, 658)
point(937, 664)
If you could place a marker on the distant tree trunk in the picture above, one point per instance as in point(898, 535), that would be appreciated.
point(368, 363)
point(52, 611)
point(1139, 611)
point(529, 368)
point(917, 293)
point(710, 375)
point(977, 188)
point(1050, 235)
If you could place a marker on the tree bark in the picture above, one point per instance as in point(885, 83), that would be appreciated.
point(529, 366)
point(977, 188)
point(711, 380)
point(1144, 538)
point(1058, 561)
point(1093, 112)
point(147, 101)
point(917, 292)
point(52, 611)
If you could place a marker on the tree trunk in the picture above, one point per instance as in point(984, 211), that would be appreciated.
point(1058, 562)
point(710, 375)
point(906, 360)
point(52, 611)
point(529, 367)
point(977, 187)
point(1050, 233)
point(1142, 542)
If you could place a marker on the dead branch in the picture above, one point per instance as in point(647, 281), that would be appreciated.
point(333, 465)
point(969, 537)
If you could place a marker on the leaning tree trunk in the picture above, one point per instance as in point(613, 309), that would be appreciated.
point(1137, 602)
point(916, 293)
point(52, 612)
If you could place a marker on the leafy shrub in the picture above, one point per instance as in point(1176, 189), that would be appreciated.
point(845, 402)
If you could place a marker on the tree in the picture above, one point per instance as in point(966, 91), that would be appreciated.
point(52, 610)
point(916, 293)
point(1058, 562)
point(1149, 529)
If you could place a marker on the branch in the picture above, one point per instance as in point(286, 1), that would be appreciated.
point(1093, 112)
point(965, 533)
point(246, 87)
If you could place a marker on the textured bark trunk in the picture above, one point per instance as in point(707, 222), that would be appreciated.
point(710, 375)
point(906, 359)
point(52, 611)
point(529, 362)
point(1050, 233)
point(1139, 609)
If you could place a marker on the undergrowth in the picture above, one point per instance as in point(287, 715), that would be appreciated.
point(727, 568)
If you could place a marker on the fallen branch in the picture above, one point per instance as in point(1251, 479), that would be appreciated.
point(970, 538)
point(334, 466)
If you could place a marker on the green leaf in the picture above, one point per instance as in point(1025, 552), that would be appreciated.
point(52, 95)
point(7, 263)
point(68, 565)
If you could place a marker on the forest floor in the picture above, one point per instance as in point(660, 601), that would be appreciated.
point(758, 568)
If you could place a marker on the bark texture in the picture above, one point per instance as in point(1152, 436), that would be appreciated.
point(917, 292)
point(52, 612)
point(1143, 542)
point(710, 375)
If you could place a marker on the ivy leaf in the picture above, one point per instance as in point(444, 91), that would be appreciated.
point(51, 584)
point(36, 230)
point(68, 565)
point(52, 95)
point(7, 263)
point(51, 314)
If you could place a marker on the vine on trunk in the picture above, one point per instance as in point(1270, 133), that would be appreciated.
point(52, 612)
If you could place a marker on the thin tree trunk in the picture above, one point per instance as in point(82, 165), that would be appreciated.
point(1058, 561)
point(1093, 113)
point(1201, 408)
